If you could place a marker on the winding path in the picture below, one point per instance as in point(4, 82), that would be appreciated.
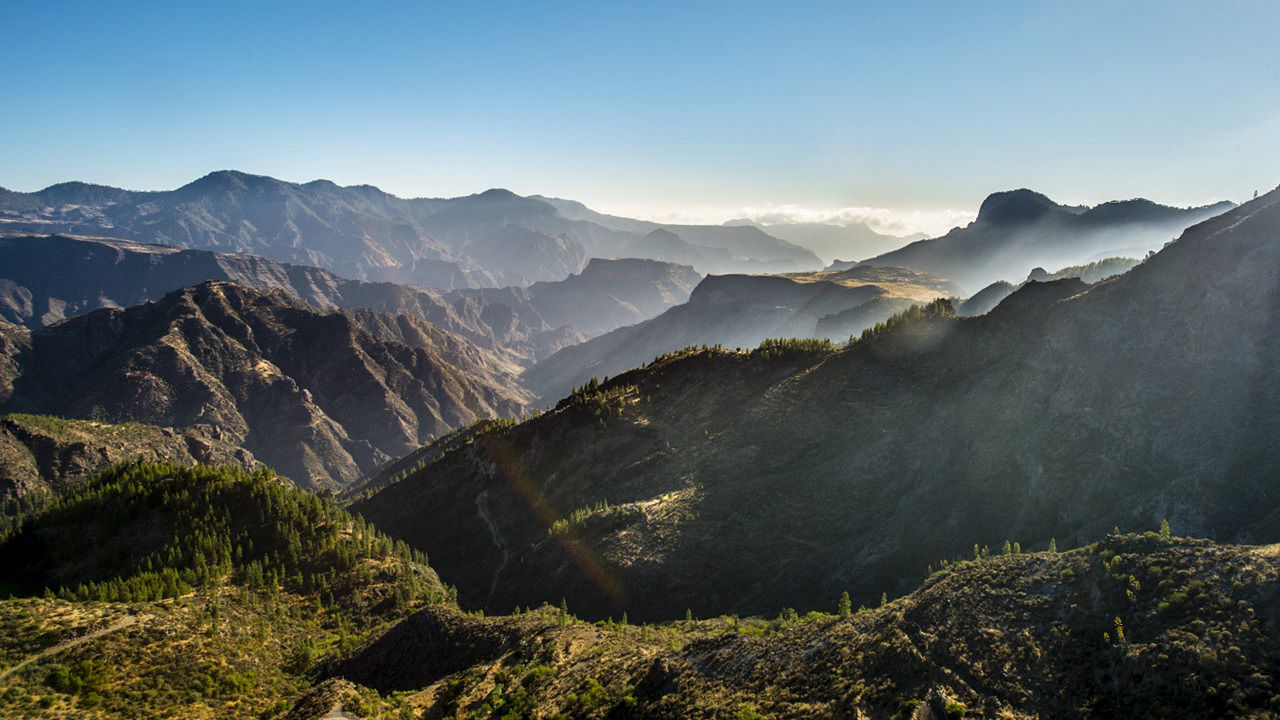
point(120, 624)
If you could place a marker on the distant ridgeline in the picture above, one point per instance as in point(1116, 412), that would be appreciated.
point(490, 239)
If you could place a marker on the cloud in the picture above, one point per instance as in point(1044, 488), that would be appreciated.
point(886, 221)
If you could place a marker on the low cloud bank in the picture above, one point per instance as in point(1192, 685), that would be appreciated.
point(886, 221)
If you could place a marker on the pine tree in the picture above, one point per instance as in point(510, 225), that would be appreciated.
point(1165, 530)
point(688, 615)
point(884, 599)
point(846, 605)
point(1053, 545)
point(1007, 549)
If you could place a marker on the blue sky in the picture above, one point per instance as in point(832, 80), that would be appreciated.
point(701, 110)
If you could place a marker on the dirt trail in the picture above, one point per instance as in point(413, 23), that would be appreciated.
point(120, 624)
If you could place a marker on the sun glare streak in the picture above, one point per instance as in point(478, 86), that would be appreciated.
point(511, 471)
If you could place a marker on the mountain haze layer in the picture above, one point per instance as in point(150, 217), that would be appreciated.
point(1018, 230)
point(44, 279)
point(741, 482)
point(741, 311)
point(489, 239)
point(833, 243)
point(606, 295)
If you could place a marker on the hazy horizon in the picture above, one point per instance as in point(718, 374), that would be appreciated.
point(888, 221)
point(905, 116)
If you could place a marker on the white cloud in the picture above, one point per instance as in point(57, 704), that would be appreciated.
point(886, 221)
point(883, 220)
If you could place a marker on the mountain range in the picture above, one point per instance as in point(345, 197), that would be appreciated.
point(726, 249)
point(1016, 231)
point(322, 397)
point(606, 295)
point(743, 311)
point(832, 242)
point(740, 482)
point(45, 279)
point(489, 239)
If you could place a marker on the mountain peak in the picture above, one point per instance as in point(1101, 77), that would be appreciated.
point(1015, 206)
point(226, 181)
point(663, 234)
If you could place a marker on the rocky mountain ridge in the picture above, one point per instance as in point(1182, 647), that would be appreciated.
point(1017, 230)
point(489, 239)
point(323, 398)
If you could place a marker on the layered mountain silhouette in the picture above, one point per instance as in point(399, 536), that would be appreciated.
point(323, 398)
point(45, 279)
point(741, 482)
point(990, 456)
point(710, 248)
point(606, 295)
point(990, 296)
point(741, 311)
point(831, 242)
point(489, 239)
point(1020, 229)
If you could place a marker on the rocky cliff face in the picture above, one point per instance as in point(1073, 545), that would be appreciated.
point(323, 398)
point(744, 482)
